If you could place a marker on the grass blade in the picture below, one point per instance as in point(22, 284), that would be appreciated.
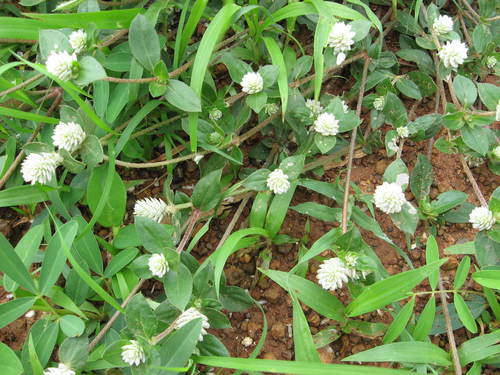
point(279, 61)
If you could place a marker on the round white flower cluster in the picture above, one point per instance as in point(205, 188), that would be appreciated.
point(68, 136)
point(334, 272)
point(341, 39)
point(491, 61)
point(133, 353)
point(40, 167)
point(189, 315)
point(481, 218)
point(271, 109)
point(389, 198)
point(63, 65)
point(443, 24)
point(379, 103)
point(403, 132)
point(453, 53)
point(158, 265)
point(326, 124)
point(78, 41)
point(215, 114)
point(252, 83)
point(277, 182)
point(152, 208)
point(314, 106)
point(61, 369)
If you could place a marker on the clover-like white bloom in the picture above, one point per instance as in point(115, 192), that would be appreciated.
point(389, 198)
point(189, 315)
point(158, 265)
point(63, 65)
point(443, 24)
point(341, 39)
point(40, 167)
point(350, 262)
point(68, 136)
point(152, 208)
point(61, 369)
point(133, 353)
point(497, 113)
point(252, 83)
point(345, 107)
point(326, 124)
point(481, 218)
point(491, 61)
point(215, 114)
point(453, 53)
point(332, 274)
point(403, 131)
point(271, 109)
point(277, 182)
point(314, 106)
point(78, 40)
point(379, 103)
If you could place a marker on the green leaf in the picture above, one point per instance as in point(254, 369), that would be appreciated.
point(479, 348)
point(277, 211)
point(421, 178)
point(425, 321)
point(431, 256)
point(279, 61)
point(9, 362)
point(55, 259)
point(448, 200)
point(389, 290)
point(465, 90)
point(206, 193)
point(319, 211)
point(395, 111)
point(476, 138)
point(178, 286)
point(464, 313)
point(154, 236)
point(182, 96)
point(140, 317)
point(144, 42)
point(489, 94)
point(176, 349)
point(488, 278)
point(324, 143)
point(407, 219)
point(10, 112)
point(462, 272)
point(91, 151)
point(256, 101)
point(196, 12)
point(114, 208)
point(220, 23)
point(119, 261)
point(53, 40)
point(11, 265)
point(399, 323)
point(10, 311)
point(294, 367)
point(395, 169)
point(73, 351)
point(304, 347)
point(408, 88)
point(72, 325)
point(415, 352)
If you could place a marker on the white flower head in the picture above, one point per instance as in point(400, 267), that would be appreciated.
point(491, 61)
point(345, 107)
point(277, 182)
point(341, 37)
point(453, 53)
point(332, 274)
point(403, 131)
point(350, 260)
point(314, 106)
point(158, 265)
point(443, 24)
point(63, 65)
point(379, 103)
point(215, 114)
point(326, 124)
point(78, 40)
point(133, 353)
point(389, 198)
point(61, 369)
point(40, 167)
point(481, 218)
point(68, 136)
point(189, 315)
point(30, 314)
point(271, 109)
point(152, 208)
point(252, 83)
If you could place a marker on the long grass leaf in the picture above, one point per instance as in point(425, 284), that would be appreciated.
point(193, 19)
point(10, 112)
point(279, 61)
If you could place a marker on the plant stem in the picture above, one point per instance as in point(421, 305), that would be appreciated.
point(353, 144)
point(471, 10)
point(21, 85)
point(473, 182)
point(449, 329)
point(195, 215)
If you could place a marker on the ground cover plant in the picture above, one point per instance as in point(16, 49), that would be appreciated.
point(291, 187)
